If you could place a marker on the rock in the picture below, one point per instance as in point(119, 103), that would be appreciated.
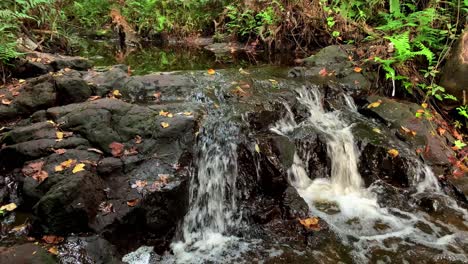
point(26, 253)
point(297, 207)
point(331, 65)
point(453, 76)
point(24, 68)
point(106, 81)
point(27, 133)
point(88, 250)
point(70, 205)
point(38, 93)
point(225, 47)
point(72, 89)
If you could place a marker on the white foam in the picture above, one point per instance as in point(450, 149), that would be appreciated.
point(140, 256)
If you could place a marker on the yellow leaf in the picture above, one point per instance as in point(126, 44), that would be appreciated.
point(187, 113)
point(116, 93)
point(257, 148)
point(21, 81)
point(376, 130)
point(375, 104)
point(79, 167)
point(51, 122)
point(68, 163)
point(242, 71)
point(58, 168)
point(164, 124)
point(59, 135)
point(163, 113)
point(170, 115)
point(310, 223)
point(357, 69)
point(8, 207)
point(211, 71)
point(424, 105)
point(53, 250)
point(393, 152)
point(273, 81)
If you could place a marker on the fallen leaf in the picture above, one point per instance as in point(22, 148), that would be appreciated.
point(51, 239)
point(6, 101)
point(35, 171)
point(53, 250)
point(164, 178)
point(375, 104)
point(15, 93)
point(68, 163)
point(58, 168)
point(59, 135)
point(8, 207)
point(78, 167)
point(393, 152)
point(131, 151)
point(257, 148)
point(41, 176)
point(66, 69)
point(133, 202)
point(441, 131)
point(139, 184)
point(323, 72)
point(211, 71)
point(165, 124)
point(116, 93)
point(311, 223)
point(106, 207)
point(67, 134)
point(242, 71)
point(408, 131)
point(94, 97)
point(187, 113)
point(138, 139)
point(273, 81)
point(60, 151)
point(357, 69)
point(157, 95)
point(424, 105)
point(51, 122)
point(117, 149)
point(21, 81)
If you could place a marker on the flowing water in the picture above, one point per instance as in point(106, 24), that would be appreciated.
point(353, 212)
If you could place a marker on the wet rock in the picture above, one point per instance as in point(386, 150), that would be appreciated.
point(70, 204)
point(38, 93)
point(108, 80)
point(88, 250)
point(58, 62)
point(225, 47)
point(24, 68)
point(26, 253)
point(28, 133)
point(297, 207)
point(71, 89)
point(453, 76)
point(331, 65)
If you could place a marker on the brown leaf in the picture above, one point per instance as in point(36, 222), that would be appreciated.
point(408, 131)
point(95, 150)
point(131, 151)
point(41, 176)
point(138, 139)
point(52, 239)
point(6, 101)
point(311, 223)
point(133, 202)
point(35, 171)
point(106, 207)
point(94, 97)
point(117, 149)
point(60, 151)
point(163, 178)
point(323, 72)
point(53, 250)
point(441, 131)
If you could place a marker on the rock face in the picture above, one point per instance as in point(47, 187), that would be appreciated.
point(453, 77)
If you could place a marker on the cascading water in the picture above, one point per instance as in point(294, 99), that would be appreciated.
point(352, 211)
point(213, 193)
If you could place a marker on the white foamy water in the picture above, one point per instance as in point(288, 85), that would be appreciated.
point(352, 211)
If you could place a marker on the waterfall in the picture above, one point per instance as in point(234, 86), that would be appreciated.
point(213, 194)
point(351, 210)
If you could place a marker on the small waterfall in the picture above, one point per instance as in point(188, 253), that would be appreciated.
point(352, 211)
point(213, 209)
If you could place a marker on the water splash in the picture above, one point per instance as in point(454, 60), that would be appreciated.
point(353, 212)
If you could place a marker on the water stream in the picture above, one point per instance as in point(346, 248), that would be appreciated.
point(352, 211)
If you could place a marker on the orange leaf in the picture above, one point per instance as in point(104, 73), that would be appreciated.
point(393, 152)
point(6, 101)
point(51, 239)
point(441, 131)
point(211, 71)
point(357, 69)
point(323, 72)
point(117, 149)
point(133, 202)
point(311, 223)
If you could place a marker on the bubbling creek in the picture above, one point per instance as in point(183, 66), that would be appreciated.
point(222, 167)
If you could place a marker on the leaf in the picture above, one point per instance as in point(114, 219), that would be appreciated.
point(441, 131)
point(58, 168)
point(376, 130)
point(165, 124)
point(424, 105)
point(60, 151)
point(163, 113)
point(187, 113)
point(323, 72)
point(94, 98)
point(116, 93)
point(357, 69)
point(35, 171)
point(95, 150)
point(68, 163)
point(408, 131)
point(393, 152)
point(53, 250)
point(311, 223)
point(8, 207)
point(106, 207)
point(59, 135)
point(131, 151)
point(273, 81)
point(21, 81)
point(133, 202)
point(242, 71)
point(458, 144)
point(375, 104)
point(6, 101)
point(170, 115)
point(117, 149)
point(138, 139)
point(52, 239)
point(78, 167)
point(257, 148)
point(211, 71)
